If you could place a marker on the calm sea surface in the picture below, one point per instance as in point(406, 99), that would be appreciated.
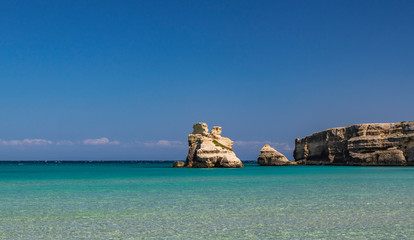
point(154, 201)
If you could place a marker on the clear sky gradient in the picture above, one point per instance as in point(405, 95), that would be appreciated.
point(90, 80)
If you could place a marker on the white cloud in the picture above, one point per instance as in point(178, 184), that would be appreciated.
point(64, 143)
point(26, 142)
point(163, 143)
point(100, 141)
point(276, 145)
point(149, 144)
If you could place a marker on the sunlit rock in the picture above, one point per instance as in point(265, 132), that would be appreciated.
point(362, 144)
point(209, 150)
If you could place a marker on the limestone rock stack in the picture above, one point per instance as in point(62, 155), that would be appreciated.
point(270, 157)
point(209, 150)
point(362, 144)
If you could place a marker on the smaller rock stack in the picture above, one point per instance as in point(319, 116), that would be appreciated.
point(270, 157)
point(178, 164)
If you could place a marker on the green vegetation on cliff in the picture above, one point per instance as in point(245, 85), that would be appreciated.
point(221, 145)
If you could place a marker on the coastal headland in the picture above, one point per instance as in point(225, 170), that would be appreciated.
point(370, 144)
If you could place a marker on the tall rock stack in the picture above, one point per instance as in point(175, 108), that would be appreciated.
point(209, 150)
point(362, 144)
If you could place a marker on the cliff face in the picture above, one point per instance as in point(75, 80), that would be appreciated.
point(362, 144)
point(207, 150)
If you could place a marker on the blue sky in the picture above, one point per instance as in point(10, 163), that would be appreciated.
point(89, 80)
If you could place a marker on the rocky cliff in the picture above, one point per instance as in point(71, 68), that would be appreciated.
point(362, 144)
point(208, 150)
point(270, 157)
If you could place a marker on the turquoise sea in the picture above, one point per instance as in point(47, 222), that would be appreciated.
point(151, 200)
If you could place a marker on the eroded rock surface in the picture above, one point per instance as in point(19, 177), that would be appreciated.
point(208, 150)
point(270, 157)
point(362, 144)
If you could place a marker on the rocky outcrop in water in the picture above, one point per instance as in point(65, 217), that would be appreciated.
point(270, 157)
point(178, 164)
point(362, 144)
point(209, 150)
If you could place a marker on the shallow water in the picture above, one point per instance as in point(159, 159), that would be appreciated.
point(152, 200)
